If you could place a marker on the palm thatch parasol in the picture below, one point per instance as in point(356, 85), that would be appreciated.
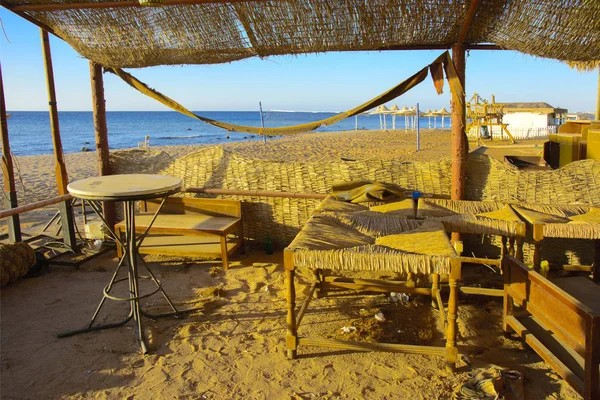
point(444, 113)
point(404, 111)
point(428, 114)
point(393, 110)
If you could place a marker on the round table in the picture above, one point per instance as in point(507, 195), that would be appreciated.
point(127, 188)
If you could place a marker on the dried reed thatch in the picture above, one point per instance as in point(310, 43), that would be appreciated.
point(491, 179)
point(568, 222)
point(488, 179)
point(216, 32)
point(331, 204)
point(327, 242)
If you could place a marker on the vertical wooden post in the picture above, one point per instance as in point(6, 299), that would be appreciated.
point(8, 173)
point(459, 138)
point(507, 309)
point(62, 179)
point(101, 133)
point(596, 264)
point(598, 98)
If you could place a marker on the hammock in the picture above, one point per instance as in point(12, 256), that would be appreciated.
point(437, 68)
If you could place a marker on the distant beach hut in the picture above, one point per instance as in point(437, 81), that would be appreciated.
point(443, 113)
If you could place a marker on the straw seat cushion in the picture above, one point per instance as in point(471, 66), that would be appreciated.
point(331, 242)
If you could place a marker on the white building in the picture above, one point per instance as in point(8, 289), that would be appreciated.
point(531, 120)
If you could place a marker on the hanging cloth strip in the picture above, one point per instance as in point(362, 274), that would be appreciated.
point(442, 63)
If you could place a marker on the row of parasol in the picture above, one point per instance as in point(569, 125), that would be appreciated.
point(409, 115)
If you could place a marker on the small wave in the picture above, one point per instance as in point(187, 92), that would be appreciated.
point(178, 137)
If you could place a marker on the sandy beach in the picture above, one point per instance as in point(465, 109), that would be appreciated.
point(234, 346)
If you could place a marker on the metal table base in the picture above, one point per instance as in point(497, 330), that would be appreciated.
point(130, 259)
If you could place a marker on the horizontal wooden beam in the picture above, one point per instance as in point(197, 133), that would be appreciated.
point(110, 4)
point(367, 346)
point(34, 206)
point(472, 46)
point(256, 193)
point(464, 30)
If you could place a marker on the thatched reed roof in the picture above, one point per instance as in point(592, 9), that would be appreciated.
point(120, 33)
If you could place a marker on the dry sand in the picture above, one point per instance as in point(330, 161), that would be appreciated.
point(234, 348)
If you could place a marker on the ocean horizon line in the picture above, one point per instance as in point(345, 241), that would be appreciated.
point(210, 111)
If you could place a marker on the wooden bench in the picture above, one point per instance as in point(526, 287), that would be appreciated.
point(560, 321)
point(190, 227)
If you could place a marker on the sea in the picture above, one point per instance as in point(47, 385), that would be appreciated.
point(29, 131)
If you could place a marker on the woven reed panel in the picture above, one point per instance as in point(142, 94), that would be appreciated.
point(221, 32)
point(213, 167)
point(488, 179)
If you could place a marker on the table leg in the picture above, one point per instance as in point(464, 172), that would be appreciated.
point(133, 273)
point(291, 338)
point(130, 256)
point(292, 334)
point(224, 252)
point(519, 252)
point(451, 350)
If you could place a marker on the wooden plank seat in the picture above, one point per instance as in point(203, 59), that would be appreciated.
point(560, 321)
point(191, 227)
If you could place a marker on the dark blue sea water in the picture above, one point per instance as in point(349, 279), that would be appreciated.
point(29, 131)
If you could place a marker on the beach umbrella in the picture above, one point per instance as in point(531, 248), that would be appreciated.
point(413, 113)
point(378, 111)
point(393, 110)
point(428, 114)
point(383, 110)
point(444, 113)
point(403, 112)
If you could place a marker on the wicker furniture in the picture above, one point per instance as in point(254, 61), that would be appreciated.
point(565, 222)
point(191, 227)
point(560, 321)
point(335, 243)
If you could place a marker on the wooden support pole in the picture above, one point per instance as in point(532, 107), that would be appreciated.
point(596, 264)
point(507, 303)
point(60, 170)
point(33, 206)
point(101, 133)
point(598, 98)
point(459, 138)
point(8, 173)
point(59, 163)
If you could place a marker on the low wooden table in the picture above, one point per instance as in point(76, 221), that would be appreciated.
point(127, 188)
point(190, 227)
point(331, 242)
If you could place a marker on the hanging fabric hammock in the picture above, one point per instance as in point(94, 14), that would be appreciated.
point(437, 68)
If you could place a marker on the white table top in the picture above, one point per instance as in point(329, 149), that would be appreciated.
point(123, 187)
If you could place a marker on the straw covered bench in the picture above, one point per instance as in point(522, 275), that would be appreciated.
point(190, 227)
point(560, 320)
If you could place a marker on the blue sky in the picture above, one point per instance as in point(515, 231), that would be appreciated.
point(327, 82)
